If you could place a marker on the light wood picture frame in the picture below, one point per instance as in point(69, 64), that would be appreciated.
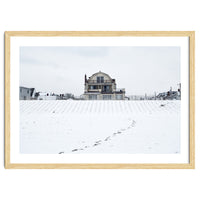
point(9, 35)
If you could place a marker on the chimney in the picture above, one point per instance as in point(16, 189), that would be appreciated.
point(85, 78)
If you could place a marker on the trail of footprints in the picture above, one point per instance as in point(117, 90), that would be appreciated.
point(99, 142)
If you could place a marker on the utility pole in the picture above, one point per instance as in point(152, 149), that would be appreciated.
point(179, 88)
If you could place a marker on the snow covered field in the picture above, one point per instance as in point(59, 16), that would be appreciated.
point(56, 127)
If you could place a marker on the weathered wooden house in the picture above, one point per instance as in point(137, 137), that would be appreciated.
point(100, 86)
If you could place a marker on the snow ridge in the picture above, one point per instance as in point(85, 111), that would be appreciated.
point(99, 107)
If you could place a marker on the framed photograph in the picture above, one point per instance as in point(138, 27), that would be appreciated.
point(99, 99)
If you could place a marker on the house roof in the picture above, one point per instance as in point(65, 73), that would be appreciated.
point(95, 74)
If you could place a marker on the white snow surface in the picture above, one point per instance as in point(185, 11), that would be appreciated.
point(131, 127)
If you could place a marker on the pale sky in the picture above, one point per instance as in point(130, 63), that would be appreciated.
point(139, 70)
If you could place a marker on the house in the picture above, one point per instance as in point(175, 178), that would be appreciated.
point(170, 95)
point(100, 86)
point(26, 93)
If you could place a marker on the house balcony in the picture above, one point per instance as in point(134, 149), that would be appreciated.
point(100, 91)
point(100, 83)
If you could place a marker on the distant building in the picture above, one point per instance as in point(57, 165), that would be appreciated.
point(100, 86)
point(26, 93)
point(53, 96)
point(46, 96)
point(170, 95)
point(136, 97)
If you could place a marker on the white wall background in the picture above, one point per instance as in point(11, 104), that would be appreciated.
point(99, 15)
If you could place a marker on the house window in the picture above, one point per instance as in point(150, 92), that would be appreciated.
point(106, 97)
point(27, 91)
point(93, 87)
point(100, 79)
point(119, 97)
point(92, 97)
point(106, 88)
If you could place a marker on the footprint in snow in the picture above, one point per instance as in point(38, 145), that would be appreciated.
point(118, 132)
point(97, 143)
point(108, 138)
